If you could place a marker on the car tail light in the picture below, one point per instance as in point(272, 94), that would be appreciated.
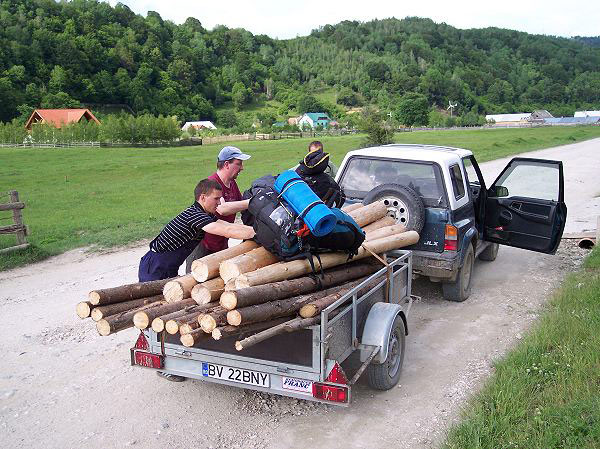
point(147, 359)
point(336, 375)
point(331, 393)
point(451, 238)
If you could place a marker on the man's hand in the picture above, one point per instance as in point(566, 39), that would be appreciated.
point(232, 207)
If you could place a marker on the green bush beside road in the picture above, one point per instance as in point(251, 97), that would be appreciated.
point(546, 392)
point(114, 196)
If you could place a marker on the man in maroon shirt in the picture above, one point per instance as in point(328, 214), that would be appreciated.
point(229, 165)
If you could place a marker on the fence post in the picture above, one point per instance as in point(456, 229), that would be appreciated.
point(18, 218)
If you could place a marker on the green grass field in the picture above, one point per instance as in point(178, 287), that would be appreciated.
point(114, 196)
point(545, 393)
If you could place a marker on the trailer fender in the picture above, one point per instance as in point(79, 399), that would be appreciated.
point(378, 328)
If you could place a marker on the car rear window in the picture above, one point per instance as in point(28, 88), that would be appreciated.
point(363, 174)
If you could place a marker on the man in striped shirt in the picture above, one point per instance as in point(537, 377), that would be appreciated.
point(182, 234)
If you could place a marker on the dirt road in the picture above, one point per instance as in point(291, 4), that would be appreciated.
point(63, 386)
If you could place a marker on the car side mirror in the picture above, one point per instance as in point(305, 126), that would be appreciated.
point(498, 192)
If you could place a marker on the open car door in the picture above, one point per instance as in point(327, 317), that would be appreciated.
point(525, 206)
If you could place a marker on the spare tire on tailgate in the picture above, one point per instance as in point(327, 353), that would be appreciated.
point(403, 203)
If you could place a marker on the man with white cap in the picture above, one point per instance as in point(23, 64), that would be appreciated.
point(230, 162)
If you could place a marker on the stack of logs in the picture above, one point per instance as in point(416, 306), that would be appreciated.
point(246, 290)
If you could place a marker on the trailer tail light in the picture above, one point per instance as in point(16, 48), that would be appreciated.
point(142, 342)
point(140, 357)
point(451, 238)
point(332, 393)
point(336, 375)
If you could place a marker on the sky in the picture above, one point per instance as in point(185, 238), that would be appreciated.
point(287, 19)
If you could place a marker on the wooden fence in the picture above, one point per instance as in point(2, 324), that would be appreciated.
point(17, 228)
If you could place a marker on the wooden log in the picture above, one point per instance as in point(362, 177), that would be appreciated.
point(230, 286)
point(381, 223)
point(127, 292)
point(208, 291)
point(120, 321)
point(179, 288)
point(172, 326)
point(369, 213)
point(317, 305)
point(250, 261)
point(207, 267)
point(284, 289)
point(385, 232)
point(290, 270)
point(12, 206)
point(350, 207)
point(158, 324)
point(83, 309)
point(103, 311)
point(144, 318)
point(188, 327)
point(217, 317)
point(287, 326)
point(278, 309)
point(231, 331)
point(193, 337)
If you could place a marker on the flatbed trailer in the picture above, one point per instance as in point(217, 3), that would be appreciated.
point(305, 364)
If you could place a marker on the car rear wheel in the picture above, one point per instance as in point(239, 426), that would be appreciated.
point(460, 289)
point(403, 203)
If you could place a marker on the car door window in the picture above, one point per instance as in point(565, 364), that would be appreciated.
point(529, 180)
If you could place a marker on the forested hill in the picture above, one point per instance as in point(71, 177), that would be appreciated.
point(84, 51)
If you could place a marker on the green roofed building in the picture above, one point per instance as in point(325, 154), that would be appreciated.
point(314, 119)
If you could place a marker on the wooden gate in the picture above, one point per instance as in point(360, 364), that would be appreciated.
point(17, 228)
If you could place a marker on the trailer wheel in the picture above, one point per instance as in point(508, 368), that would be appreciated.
point(386, 375)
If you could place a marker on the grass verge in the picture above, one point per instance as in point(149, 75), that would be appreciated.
point(546, 392)
point(113, 196)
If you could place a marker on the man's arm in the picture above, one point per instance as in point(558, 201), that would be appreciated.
point(231, 207)
point(229, 230)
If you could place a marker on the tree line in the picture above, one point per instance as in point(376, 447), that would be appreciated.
point(68, 54)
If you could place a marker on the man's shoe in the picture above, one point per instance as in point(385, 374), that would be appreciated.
point(171, 377)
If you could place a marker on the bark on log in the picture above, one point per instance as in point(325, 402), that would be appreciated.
point(83, 309)
point(250, 261)
point(316, 306)
point(208, 291)
point(369, 213)
point(180, 288)
point(193, 337)
point(115, 323)
point(207, 267)
point(279, 290)
point(290, 270)
point(143, 319)
point(277, 309)
point(230, 331)
point(350, 207)
point(112, 309)
point(385, 232)
point(217, 317)
point(127, 292)
point(381, 223)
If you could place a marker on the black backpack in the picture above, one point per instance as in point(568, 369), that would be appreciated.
point(346, 236)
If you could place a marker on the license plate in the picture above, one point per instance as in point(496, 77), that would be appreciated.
point(239, 375)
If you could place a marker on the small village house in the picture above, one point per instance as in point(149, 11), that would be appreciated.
point(314, 119)
point(59, 117)
point(198, 125)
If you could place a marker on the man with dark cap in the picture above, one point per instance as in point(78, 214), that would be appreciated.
point(312, 171)
point(230, 162)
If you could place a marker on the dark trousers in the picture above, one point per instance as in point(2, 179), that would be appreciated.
point(155, 266)
point(198, 252)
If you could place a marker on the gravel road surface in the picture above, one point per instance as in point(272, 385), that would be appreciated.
point(63, 386)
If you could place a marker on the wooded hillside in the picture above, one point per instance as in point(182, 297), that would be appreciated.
point(84, 51)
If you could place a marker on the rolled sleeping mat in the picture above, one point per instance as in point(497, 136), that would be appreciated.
point(317, 216)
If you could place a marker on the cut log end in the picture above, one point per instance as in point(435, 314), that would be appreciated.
point(201, 294)
point(308, 311)
point(216, 333)
point(158, 324)
point(172, 327)
point(94, 298)
point(185, 329)
point(103, 327)
point(242, 282)
point(228, 300)
point(238, 345)
point(83, 309)
point(173, 291)
point(234, 318)
point(96, 314)
point(200, 271)
point(141, 320)
point(187, 340)
point(208, 323)
point(228, 271)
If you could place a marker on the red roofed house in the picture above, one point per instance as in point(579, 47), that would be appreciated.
point(59, 117)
